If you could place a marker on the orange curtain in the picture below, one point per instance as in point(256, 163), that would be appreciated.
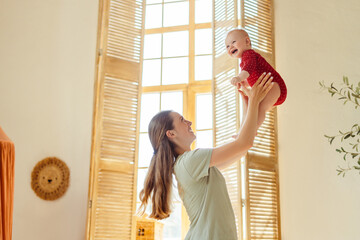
point(7, 160)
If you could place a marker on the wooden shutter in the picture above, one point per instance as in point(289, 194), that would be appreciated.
point(225, 98)
point(112, 192)
point(261, 169)
point(262, 183)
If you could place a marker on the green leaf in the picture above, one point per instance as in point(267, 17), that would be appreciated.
point(332, 86)
point(338, 150)
point(347, 136)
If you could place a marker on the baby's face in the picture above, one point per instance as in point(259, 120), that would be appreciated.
point(236, 44)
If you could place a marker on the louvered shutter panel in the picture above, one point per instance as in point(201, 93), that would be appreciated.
point(225, 97)
point(112, 195)
point(262, 185)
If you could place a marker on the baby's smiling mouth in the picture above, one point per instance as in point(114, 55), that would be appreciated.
point(234, 51)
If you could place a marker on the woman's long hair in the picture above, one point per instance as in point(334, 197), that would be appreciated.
point(158, 181)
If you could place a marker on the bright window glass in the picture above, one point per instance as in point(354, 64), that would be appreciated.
point(204, 111)
point(203, 67)
point(204, 139)
point(175, 71)
point(140, 180)
point(203, 11)
point(152, 46)
point(153, 1)
point(153, 16)
point(176, 44)
point(203, 41)
point(172, 101)
point(176, 14)
point(166, 62)
point(150, 105)
point(151, 74)
point(146, 152)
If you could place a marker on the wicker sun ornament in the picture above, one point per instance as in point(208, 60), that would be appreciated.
point(50, 178)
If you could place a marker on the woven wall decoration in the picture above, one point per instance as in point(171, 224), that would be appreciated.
point(50, 178)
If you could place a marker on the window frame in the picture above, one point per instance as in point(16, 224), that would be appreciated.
point(190, 89)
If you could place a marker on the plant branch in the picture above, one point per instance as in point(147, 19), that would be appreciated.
point(348, 93)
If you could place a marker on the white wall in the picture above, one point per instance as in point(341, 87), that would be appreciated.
point(47, 64)
point(316, 40)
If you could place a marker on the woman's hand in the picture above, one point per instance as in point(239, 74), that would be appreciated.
point(259, 89)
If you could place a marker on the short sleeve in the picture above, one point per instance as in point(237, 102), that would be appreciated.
point(196, 163)
point(248, 61)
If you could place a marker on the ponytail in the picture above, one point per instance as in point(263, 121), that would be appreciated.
point(158, 181)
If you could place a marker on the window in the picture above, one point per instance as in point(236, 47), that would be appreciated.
point(177, 73)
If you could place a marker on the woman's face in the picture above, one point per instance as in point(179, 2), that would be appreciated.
point(182, 129)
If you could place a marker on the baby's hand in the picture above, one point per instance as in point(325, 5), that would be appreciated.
point(235, 80)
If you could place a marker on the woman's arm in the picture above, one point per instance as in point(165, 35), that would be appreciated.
point(245, 101)
point(230, 152)
point(224, 165)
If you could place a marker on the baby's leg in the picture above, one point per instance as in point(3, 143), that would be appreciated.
point(268, 102)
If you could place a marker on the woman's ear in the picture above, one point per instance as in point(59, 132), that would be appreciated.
point(170, 134)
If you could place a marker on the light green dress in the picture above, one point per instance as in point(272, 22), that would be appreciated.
point(205, 197)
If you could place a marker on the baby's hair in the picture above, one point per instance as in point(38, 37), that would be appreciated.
point(241, 31)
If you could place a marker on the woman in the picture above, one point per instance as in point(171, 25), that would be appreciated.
point(201, 185)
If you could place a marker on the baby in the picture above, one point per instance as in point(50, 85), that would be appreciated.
point(252, 65)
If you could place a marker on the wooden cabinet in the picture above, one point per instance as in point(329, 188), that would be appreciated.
point(149, 229)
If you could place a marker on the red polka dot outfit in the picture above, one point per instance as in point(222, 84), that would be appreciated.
point(255, 65)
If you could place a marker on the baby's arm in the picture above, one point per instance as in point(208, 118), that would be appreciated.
point(241, 77)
